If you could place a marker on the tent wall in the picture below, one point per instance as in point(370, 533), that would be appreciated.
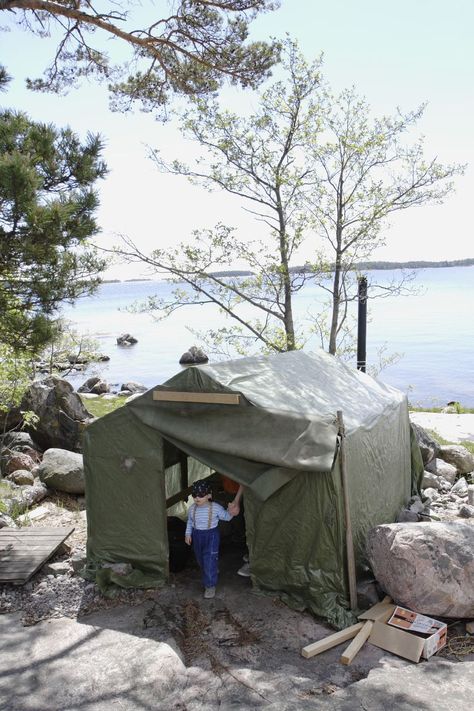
point(378, 473)
point(297, 545)
point(125, 497)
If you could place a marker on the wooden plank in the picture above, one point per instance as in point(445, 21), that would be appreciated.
point(351, 568)
point(180, 496)
point(332, 641)
point(356, 644)
point(23, 556)
point(378, 611)
point(204, 398)
point(404, 644)
point(24, 552)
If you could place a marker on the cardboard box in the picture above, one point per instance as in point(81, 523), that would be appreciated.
point(408, 634)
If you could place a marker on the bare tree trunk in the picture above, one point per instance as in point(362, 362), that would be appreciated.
point(285, 273)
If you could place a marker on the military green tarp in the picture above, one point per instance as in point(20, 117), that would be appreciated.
point(281, 442)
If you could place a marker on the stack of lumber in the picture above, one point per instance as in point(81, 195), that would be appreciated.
point(358, 633)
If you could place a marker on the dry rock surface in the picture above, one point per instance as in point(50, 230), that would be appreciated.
point(426, 567)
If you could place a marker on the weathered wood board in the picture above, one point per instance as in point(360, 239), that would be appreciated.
point(24, 550)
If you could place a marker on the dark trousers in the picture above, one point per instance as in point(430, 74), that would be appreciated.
point(206, 550)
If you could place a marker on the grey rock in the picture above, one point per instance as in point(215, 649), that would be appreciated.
point(126, 340)
point(416, 505)
point(62, 470)
point(61, 567)
point(428, 446)
point(441, 468)
point(466, 511)
point(22, 477)
point(18, 460)
point(193, 356)
point(21, 498)
point(430, 480)
point(407, 516)
point(458, 456)
point(430, 494)
point(460, 487)
point(134, 387)
point(470, 494)
point(428, 567)
point(78, 561)
point(95, 386)
point(62, 415)
point(7, 521)
point(444, 484)
point(13, 440)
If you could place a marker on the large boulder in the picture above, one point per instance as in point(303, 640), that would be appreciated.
point(427, 567)
point(428, 446)
point(62, 415)
point(63, 471)
point(458, 456)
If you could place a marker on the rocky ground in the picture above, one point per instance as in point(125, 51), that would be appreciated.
point(240, 650)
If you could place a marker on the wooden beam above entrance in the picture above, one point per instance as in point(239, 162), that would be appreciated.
point(204, 398)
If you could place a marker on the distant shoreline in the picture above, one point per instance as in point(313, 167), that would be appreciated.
point(367, 266)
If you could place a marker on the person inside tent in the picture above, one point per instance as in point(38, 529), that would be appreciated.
point(203, 532)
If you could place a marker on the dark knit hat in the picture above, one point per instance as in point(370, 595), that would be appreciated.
point(201, 488)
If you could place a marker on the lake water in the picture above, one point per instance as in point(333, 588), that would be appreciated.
point(431, 330)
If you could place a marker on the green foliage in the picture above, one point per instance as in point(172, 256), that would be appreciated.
point(441, 440)
point(191, 52)
point(98, 406)
point(257, 159)
point(70, 346)
point(47, 207)
point(15, 374)
point(314, 168)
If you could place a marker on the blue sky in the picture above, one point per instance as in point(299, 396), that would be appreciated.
point(396, 54)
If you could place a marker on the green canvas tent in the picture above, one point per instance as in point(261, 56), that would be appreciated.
point(270, 423)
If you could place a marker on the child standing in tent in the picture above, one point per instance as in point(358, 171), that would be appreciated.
point(202, 530)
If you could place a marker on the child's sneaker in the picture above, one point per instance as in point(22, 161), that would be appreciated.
point(244, 571)
point(209, 592)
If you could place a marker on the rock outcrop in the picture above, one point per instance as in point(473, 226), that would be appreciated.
point(426, 567)
point(62, 415)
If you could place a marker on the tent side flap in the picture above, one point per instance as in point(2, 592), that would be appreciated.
point(125, 498)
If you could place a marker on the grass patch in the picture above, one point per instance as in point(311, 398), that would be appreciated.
point(441, 440)
point(99, 406)
point(460, 410)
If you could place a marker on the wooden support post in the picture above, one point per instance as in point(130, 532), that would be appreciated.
point(183, 467)
point(351, 570)
point(332, 641)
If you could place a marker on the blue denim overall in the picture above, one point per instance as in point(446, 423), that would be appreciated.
point(206, 550)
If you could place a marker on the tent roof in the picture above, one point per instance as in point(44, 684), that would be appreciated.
point(308, 383)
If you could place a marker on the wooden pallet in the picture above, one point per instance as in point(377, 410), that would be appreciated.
point(24, 550)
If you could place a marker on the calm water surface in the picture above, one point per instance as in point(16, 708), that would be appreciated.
point(432, 331)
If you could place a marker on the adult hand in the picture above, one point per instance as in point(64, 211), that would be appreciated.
point(187, 539)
